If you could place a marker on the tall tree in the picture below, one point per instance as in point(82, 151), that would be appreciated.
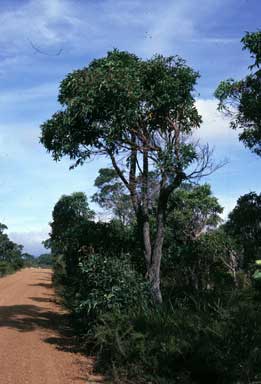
point(241, 99)
point(193, 210)
point(69, 213)
point(244, 224)
point(196, 251)
point(140, 114)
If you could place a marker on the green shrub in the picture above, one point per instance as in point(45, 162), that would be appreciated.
point(107, 284)
point(6, 268)
point(219, 343)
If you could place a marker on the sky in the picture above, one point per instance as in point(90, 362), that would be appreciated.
point(43, 40)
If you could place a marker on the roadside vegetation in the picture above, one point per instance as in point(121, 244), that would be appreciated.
point(42, 261)
point(12, 257)
point(163, 290)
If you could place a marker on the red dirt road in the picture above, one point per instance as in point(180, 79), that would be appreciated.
point(35, 346)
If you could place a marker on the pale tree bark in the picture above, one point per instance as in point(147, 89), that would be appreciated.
point(145, 211)
point(139, 193)
point(154, 268)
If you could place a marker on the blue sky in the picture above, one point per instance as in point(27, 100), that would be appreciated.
point(206, 33)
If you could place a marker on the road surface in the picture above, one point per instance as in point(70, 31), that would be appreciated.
point(36, 346)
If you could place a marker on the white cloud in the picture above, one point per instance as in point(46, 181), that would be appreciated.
point(31, 182)
point(28, 95)
point(215, 127)
point(216, 40)
point(168, 25)
point(19, 140)
point(89, 26)
point(32, 241)
point(228, 203)
point(48, 21)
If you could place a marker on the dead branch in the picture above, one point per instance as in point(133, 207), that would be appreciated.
point(38, 50)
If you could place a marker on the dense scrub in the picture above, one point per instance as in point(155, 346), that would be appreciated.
point(192, 340)
point(163, 290)
point(207, 330)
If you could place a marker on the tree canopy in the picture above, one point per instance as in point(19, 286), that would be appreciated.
point(141, 114)
point(241, 99)
point(193, 210)
point(162, 235)
point(244, 223)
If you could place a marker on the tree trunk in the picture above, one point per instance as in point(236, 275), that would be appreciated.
point(146, 242)
point(154, 279)
point(154, 268)
point(145, 210)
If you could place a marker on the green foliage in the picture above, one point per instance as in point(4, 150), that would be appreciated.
point(28, 260)
point(208, 329)
point(108, 284)
point(74, 238)
point(209, 262)
point(70, 214)
point(104, 101)
point(45, 260)
point(242, 99)
point(112, 195)
point(252, 43)
point(187, 343)
point(10, 253)
point(195, 255)
point(244, 224)
point(139, 113)
point(192, 210)
point(5, 268)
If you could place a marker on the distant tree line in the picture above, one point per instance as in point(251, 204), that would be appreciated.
point(42, 261)
point(11, 258)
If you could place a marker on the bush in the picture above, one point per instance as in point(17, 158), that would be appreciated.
point(219, 343)
point(209, 262)
point(5, 268)
point(107, 284)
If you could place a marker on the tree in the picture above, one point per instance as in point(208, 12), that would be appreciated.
point(69, 214)
point(241, 100)
point(244, 224)
point(112, 195)
point(28, 259)
point(45, 260)
point(205, 262)
point(10, 252)
point(141, 115)
point(70, 210)
point(192, 211)
point(196, 251)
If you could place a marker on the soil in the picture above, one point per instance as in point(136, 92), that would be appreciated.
point(36, 342)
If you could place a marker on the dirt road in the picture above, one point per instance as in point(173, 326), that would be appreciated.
point(35, 342)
